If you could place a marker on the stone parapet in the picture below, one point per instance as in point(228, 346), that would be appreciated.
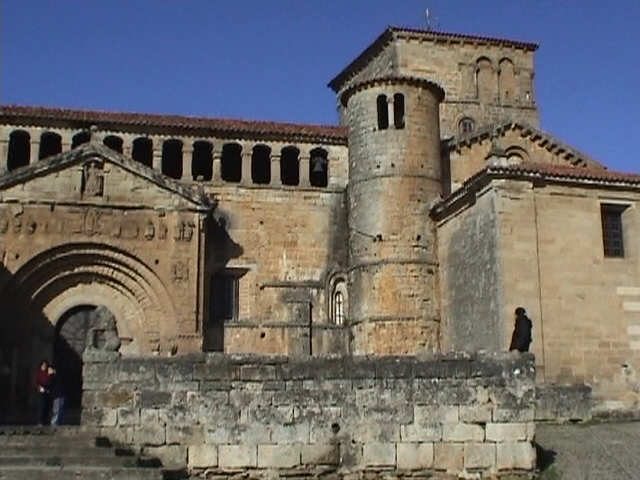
point(445, 415)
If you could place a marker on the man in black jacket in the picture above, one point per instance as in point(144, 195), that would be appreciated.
point(521, 338)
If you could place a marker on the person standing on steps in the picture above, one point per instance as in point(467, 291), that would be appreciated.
point(57, 395)
point(521, 337)
point(43, 392)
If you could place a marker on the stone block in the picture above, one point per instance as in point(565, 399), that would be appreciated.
point(448, 457)
point(414, 456)
point(100, 417)
point(149, 434)
point(515, 455)
point(185, 434)
point(479, 455)
point(509, 415)
point(237, 456)
point(116, 397)
point(462, 432)
point(203, 456)
point(257, 373)
point(379, 454)
point(506, 432)
point(475, 414)
point(421, 433)
point(291, 433)
point(320, 454)
point(278, 456)
point(128, 417)
point(153, 399)
point(171, 456)
point(428, 414)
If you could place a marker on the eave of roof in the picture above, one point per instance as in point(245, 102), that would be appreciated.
point(390, 33)
point(122, 121)
point(551, 143)
point(540, 174)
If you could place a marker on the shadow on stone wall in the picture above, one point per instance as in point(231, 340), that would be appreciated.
point(26, 338)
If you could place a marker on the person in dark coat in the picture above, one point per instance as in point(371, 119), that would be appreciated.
point(43, 392)
point(57, 397)
point(521, 338)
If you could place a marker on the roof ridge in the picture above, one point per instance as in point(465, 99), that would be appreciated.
point(334, 132)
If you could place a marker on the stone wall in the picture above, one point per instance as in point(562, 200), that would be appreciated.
point(227, 413)
point(471, 277)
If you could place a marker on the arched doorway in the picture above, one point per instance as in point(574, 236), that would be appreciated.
point(71, 333)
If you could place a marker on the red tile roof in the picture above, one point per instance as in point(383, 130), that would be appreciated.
point(202, 125)
point(568, 175)
point(390, 33)
point(561, 172)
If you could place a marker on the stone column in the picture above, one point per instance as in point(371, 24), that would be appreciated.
point(4, 151)
point(187, 161)
point(245, 178)
point(34, 140)
point(304, 171)
point(157, 155)
point(127, 146)
point(275, 170)
point(217, 155)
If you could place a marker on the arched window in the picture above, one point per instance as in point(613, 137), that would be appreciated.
point(507, 81)
point(113, 142)
point(172, 158)
point(202, 161)
point(142, 151)
point(466, 125)
point(516, 154)
point(19, 149)
point(383, 112)
point(319, 168)
point(338, 301)
point(50, 144)
point(484, 80)
point(261, 164)
point(398, 110)
point(290, 166)
point(80, 138)
point(231, 162)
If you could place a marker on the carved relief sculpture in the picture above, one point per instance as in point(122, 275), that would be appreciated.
point(92, 179)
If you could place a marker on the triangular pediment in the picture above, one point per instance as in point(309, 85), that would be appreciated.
point(537, 145)
point(94, 174)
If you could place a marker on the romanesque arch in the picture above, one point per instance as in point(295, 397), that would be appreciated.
point(58, 279)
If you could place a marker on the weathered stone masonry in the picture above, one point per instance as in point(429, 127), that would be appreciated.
point(448, 414)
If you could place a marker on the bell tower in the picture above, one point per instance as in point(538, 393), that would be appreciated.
point(394, 177)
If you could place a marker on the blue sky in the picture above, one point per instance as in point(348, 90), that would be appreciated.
point(272, 59)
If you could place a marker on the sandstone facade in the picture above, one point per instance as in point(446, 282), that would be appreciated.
point(418, 225)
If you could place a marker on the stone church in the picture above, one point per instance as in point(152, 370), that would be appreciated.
point(417, 225)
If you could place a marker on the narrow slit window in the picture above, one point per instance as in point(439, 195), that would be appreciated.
point(383, 112)
point(612, 230)
point(224, 298)
point(398, 111)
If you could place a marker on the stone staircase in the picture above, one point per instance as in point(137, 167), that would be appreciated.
point(65, 453)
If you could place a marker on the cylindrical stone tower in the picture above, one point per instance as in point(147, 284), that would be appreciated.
point(394, 177)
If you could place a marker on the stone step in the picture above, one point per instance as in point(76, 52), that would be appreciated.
point(78, 473)
point(67, 461)
point(65, 441)
point(61, 450)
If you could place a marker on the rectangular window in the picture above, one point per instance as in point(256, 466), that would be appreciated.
point(224, 298)
point(612, 233)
